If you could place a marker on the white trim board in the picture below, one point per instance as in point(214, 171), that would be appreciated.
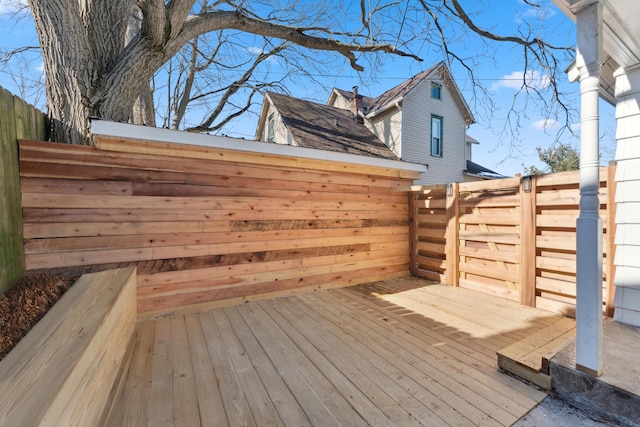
point(125, 130)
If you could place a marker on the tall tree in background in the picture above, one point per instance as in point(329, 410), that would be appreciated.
point(559, 158)
point(100, 56)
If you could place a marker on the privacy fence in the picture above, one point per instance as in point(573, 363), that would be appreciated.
point(17, 120)
point(515, 237)
point(211, 226)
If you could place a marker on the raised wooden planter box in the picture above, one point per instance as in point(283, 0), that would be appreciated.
point(62, 371)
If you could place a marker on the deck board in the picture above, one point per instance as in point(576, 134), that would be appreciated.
point(398, 352)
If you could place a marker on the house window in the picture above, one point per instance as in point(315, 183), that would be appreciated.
point(436, 136)
point(436, 91)
point(270, 128)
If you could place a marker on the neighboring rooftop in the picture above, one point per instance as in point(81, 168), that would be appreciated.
point(319, 126)
point(396, 93)
point(479, 171)
point(439, 71)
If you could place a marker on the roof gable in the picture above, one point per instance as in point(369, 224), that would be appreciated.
point(373, 106)
point(319, 126)
point(397, 93)
point(367, 101)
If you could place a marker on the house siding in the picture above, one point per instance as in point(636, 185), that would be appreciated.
point(340, 101)
point(418, 106)
point(627, 258)
point(388, 127)
point(281, 133)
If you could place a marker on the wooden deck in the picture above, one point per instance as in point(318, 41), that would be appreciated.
point(398, 352)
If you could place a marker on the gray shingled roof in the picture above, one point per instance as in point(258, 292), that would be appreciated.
point(374, 105)
point(367, 102)
point(401, 90)
point(480, 171)
point(319, 126)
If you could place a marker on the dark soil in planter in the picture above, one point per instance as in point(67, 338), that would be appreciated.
point(25, 303)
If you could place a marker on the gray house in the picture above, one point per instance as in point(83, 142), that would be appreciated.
point(423, 120)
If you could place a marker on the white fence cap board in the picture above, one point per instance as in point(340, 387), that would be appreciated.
point(125, 130)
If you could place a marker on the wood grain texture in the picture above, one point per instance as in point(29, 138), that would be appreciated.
point(17, 120)
point(510, 242)
point(202, 227)
point(391, 352)
point(76, 350)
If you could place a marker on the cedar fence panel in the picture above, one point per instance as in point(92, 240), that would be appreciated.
point(489, 236)
point(429, 208)
point(205, 227)
point(505, 241)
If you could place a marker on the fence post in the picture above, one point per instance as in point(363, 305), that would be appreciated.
point(413, 234)
point(610, 238)
point(452, 241)
point(528, 241)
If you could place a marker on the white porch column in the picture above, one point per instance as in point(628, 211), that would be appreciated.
point(589, 224)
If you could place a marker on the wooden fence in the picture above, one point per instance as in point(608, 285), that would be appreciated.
point(17, 120)
point(206, 225)
point(515, 237)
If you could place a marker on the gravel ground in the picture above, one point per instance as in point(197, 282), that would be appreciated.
point(554, 412)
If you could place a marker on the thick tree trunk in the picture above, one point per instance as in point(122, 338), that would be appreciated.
point(94, 68)
point(82, 45)
point(79, 40)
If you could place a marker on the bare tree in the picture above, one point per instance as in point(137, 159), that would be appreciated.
point(107, 58)
point(92, 70)
point(449, 25)
point(215, 82)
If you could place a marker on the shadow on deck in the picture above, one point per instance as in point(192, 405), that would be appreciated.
point(399, 352)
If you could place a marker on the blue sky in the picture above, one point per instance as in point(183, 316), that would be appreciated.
point(500, 73)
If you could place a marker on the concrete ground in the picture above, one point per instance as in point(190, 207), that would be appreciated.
point(580, 399)
point(555, 412)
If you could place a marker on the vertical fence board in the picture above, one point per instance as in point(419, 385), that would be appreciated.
point(528, 244)
point(452, 235)
point(413, 236)
point(17, 119)
point(7, 134)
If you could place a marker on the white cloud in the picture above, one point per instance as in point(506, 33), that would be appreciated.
point(254, 50)
point(545, 124)
point(517, 79)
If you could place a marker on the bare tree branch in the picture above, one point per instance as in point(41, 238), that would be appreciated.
point(213, 21)
point(205, 126)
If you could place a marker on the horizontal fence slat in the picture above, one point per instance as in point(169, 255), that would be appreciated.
point(436, 248)
point(494, 272)
point(206, 226)
point(557, 286)
point(507, 238)
point(500, 243)
point(491, 255)
point(489, 219)
point(484, 200)
point(492, 185)
point(556, 264)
